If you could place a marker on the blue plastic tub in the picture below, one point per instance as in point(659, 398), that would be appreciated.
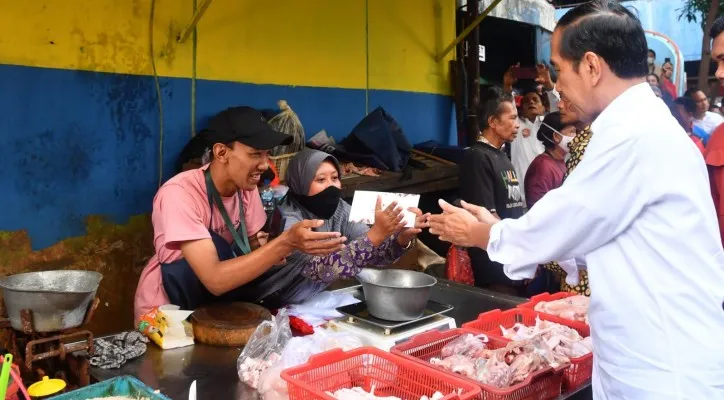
point(120, 386)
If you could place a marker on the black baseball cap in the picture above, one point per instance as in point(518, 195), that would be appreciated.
point(245, 125)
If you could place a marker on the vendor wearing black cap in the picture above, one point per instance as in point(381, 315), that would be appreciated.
point(207, 224)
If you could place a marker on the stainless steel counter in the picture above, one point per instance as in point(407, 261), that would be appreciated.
point(214, 368)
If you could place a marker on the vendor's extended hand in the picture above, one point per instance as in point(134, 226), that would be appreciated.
point(301, 237)
point(454, 225)
point(421, 222)
point(388, 222)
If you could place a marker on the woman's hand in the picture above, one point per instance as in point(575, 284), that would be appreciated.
point(421, 222)
point(387, 222)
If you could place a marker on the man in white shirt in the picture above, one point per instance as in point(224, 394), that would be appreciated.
point(645, 225)
point(703, 118)
point(526, 145)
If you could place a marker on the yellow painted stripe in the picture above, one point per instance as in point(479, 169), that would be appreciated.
point(405, 36)
point(317, 43)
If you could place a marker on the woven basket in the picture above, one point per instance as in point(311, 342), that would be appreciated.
point(281, 163)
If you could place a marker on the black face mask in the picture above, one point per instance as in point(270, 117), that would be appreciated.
point(322, 204)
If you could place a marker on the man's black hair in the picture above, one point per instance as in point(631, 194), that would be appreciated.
point(491, 105)
point(691, 91)
point(717, 28)
point(546, 130)
point(528, 91)
point(609, 30)
point(688, 104)
point(653, 52)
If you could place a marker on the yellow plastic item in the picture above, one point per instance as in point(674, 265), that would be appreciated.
point(46, 387)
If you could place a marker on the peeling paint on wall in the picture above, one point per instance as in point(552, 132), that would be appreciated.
point(119, 252)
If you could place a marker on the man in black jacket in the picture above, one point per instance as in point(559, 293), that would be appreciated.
point(488, 179)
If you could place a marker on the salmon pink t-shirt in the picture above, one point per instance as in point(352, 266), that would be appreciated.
point(181, 213)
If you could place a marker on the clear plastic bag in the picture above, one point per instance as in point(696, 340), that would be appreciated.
point(321, 307)
point(264, 348)
point(298, 350)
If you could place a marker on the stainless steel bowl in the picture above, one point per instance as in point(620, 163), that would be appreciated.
point(58, 299)
point(396, 294)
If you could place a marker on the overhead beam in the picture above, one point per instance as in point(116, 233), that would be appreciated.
point(198, 13)
point(467, 30)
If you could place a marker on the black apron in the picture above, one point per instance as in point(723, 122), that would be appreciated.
point(273, 289)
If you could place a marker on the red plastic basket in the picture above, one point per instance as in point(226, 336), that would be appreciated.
point(541, 385)
point(545, 297)
point(491, 321)
point(366, 367)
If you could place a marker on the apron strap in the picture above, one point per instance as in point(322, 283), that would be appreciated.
point(242, 241)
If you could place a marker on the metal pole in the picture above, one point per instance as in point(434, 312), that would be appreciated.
point(200, 10)
point(469, 29)
point(472, 67)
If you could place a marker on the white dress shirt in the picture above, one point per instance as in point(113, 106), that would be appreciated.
point(524, 149)
point(638, 209)
point(710, 122)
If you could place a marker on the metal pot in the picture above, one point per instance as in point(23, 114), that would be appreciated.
point(58, 299)
point(396, 294)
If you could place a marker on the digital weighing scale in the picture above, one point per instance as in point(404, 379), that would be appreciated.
point(386, 334)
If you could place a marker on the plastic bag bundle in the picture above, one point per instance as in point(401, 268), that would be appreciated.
point(264, 348)
point(288, 122)
point(459, 268)
point(321, 307)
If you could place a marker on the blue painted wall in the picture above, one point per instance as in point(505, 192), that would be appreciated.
point(78, 143)
point(663, 16)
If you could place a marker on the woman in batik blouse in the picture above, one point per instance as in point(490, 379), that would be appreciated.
point(314, 181)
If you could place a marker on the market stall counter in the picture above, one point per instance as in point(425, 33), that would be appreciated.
point(214, 368)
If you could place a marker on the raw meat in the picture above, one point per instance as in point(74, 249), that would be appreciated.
point(358, 393)
point(457, 363)
point(251, 368)
point(465, 345)
point(501, 367)
point(564, 342)
point(574, 308)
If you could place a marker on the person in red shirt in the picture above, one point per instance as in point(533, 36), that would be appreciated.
point(547, 169)
point(714, 153)
point(683, 110)
point(667, 73)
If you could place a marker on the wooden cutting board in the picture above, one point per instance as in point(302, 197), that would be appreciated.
point(227, 324)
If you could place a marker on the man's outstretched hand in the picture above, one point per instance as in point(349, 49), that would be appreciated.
point(301, 237)
point(454, 225)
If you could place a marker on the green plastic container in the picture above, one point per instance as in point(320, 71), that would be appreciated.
point(120, 386)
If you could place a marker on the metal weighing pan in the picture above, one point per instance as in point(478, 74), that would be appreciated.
point(58, 300)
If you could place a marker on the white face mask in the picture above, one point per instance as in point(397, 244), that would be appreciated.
point(651, 60)
point(565, 140)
